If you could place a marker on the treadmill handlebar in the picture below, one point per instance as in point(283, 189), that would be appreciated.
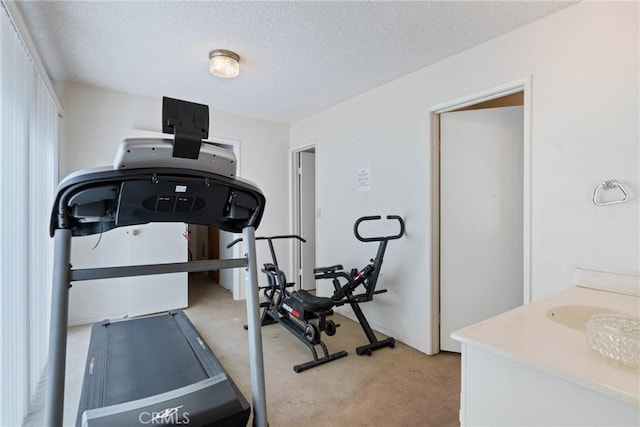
point(97, 200)
point(284, 236)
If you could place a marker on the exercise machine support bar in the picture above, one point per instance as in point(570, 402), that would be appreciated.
point(256, 360)
point(284, 236)
point(148, 269)
point(53, 408)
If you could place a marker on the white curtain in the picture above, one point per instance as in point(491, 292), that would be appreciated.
point(28, 175)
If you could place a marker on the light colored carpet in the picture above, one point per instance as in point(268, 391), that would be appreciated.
point(393, 387)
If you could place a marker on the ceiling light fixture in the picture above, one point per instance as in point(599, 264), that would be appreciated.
point(224, 63)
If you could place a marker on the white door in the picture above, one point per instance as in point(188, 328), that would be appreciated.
point(157, 243)
point(481, 217)
point(307, 198)
point(95, 300)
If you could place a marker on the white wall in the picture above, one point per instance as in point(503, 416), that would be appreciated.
point(584, 129)
point(97, 120)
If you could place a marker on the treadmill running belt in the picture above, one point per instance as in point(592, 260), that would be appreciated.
point(148, 356)
point(155, 365)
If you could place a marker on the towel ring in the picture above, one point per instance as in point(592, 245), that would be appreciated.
point(608, 185)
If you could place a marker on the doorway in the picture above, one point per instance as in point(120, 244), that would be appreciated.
point(204, 244)
point(304, 215)
point(487, 179)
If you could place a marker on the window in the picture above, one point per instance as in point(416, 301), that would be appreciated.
point(28, 175)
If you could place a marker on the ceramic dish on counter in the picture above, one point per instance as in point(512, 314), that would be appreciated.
point(615, 337)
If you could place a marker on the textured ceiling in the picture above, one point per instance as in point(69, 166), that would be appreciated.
point(297, 58)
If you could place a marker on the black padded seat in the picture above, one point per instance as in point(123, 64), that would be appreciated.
point(311, 302)
point(320, 270)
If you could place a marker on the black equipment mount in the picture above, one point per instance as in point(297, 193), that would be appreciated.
point(188, 122)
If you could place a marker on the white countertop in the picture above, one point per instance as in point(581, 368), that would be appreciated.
point(527, 335)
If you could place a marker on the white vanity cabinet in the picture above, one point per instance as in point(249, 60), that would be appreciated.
point(523, 368)
point(499, 391)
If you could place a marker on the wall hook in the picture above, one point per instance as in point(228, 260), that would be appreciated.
point(608, 185)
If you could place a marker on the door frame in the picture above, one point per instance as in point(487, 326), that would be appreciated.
point(294, 164)
point(519, 85)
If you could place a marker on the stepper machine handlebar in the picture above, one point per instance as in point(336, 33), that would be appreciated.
point(378, 238)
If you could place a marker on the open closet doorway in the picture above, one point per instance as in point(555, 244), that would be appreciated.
point(204, 244)
point(481, 199)
point(304, 215)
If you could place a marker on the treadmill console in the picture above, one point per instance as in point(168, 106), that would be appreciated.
point(161, 180)
point(135, 153)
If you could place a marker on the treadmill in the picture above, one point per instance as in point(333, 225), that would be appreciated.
point(156, 369)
